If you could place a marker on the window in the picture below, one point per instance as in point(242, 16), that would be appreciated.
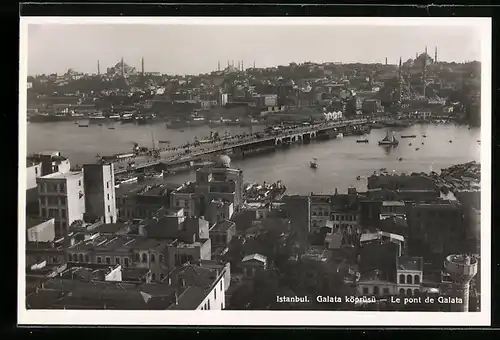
point(409, 279)
point(221, 306)
point(62, 213)
point(137, 257)
point(108, 196)
point(117, 260)
point(108, 260)
point(152, 258)
point(61, 187)
point(99, 259)
point(402, 278)
point(36, 170)
point(161, 258)
point(162, 276)
point(402, 291)
point(153, 277)
point(365, 290)
point(409, 292)
point(386, 291)
point(417, 279)
point(208, 304)
point(125, 261)
point(107, 185)
point(221, 286)
point(44, 212)
point(144, 257)
point(109, 208)
point(87, 259)
point(215, 294)
point(375, 290)
point(79, 183)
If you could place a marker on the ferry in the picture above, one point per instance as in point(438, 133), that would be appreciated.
point(364, 140)
point(127, 118)
point(389, 140)
point(408, 136)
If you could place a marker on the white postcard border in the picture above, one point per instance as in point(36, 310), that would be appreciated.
point(266, 318)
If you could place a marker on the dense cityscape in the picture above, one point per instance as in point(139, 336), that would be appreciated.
point(120, 233)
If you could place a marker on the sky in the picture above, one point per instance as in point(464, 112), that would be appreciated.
point(194, 49)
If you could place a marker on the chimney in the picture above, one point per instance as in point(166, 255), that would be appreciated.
point(98, 68)
point(218, 65)
point(336, 191)
point(386, 60)
point(435, 54)
point(142, 65)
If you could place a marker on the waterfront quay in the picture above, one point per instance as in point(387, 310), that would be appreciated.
point(184, 157)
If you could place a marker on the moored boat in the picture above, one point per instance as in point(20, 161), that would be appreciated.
point(408, 136)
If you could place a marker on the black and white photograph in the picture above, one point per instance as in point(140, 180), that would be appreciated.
point(255, 171)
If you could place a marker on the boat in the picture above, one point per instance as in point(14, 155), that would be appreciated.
point(409, 144)
point(362, 140)
point(111, 127)
point(340, 135)
point(451, 141)
point(313, 164)
point(358, 178)
point(400, 159)
point(45, 117)
point(389, 140)
point(417, 149)
point(425, 136)
point(422, 143)
point(164, 142)
point(408, 136)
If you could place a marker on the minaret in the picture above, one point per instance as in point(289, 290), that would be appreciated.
point(386, 60)
point(239, 66)
point(242, 68)
point(123, 68)
point(424, 73)
point(400, 79)
point(416, 55)
point(435, 55)
point(228, 63)
point(98, 68)
point(254, 64)
point(142, 66)
point(218, 65)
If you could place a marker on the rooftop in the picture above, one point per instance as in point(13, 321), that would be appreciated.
point(110, 228)
point(63, 175)
point(257, 257)
point(410, 263)
point(393, 204)
point(34, 221)
point(190, 299)
point(222, 226)
point(379, 235)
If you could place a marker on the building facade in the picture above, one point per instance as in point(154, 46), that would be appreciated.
point(62, 197)
point(99, 184)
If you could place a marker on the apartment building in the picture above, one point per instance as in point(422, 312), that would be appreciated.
point(62, 196)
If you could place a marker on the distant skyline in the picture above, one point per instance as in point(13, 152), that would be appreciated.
point(194, 49)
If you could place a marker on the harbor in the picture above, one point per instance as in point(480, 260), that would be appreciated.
point(338, 159)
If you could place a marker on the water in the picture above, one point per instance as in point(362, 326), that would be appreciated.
point(340, 161)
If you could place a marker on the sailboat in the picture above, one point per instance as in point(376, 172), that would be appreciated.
point(313, 164)
point(389, 140)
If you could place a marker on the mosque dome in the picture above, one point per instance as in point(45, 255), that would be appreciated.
point(222, 161)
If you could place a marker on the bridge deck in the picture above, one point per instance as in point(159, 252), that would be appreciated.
point(179, 156)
